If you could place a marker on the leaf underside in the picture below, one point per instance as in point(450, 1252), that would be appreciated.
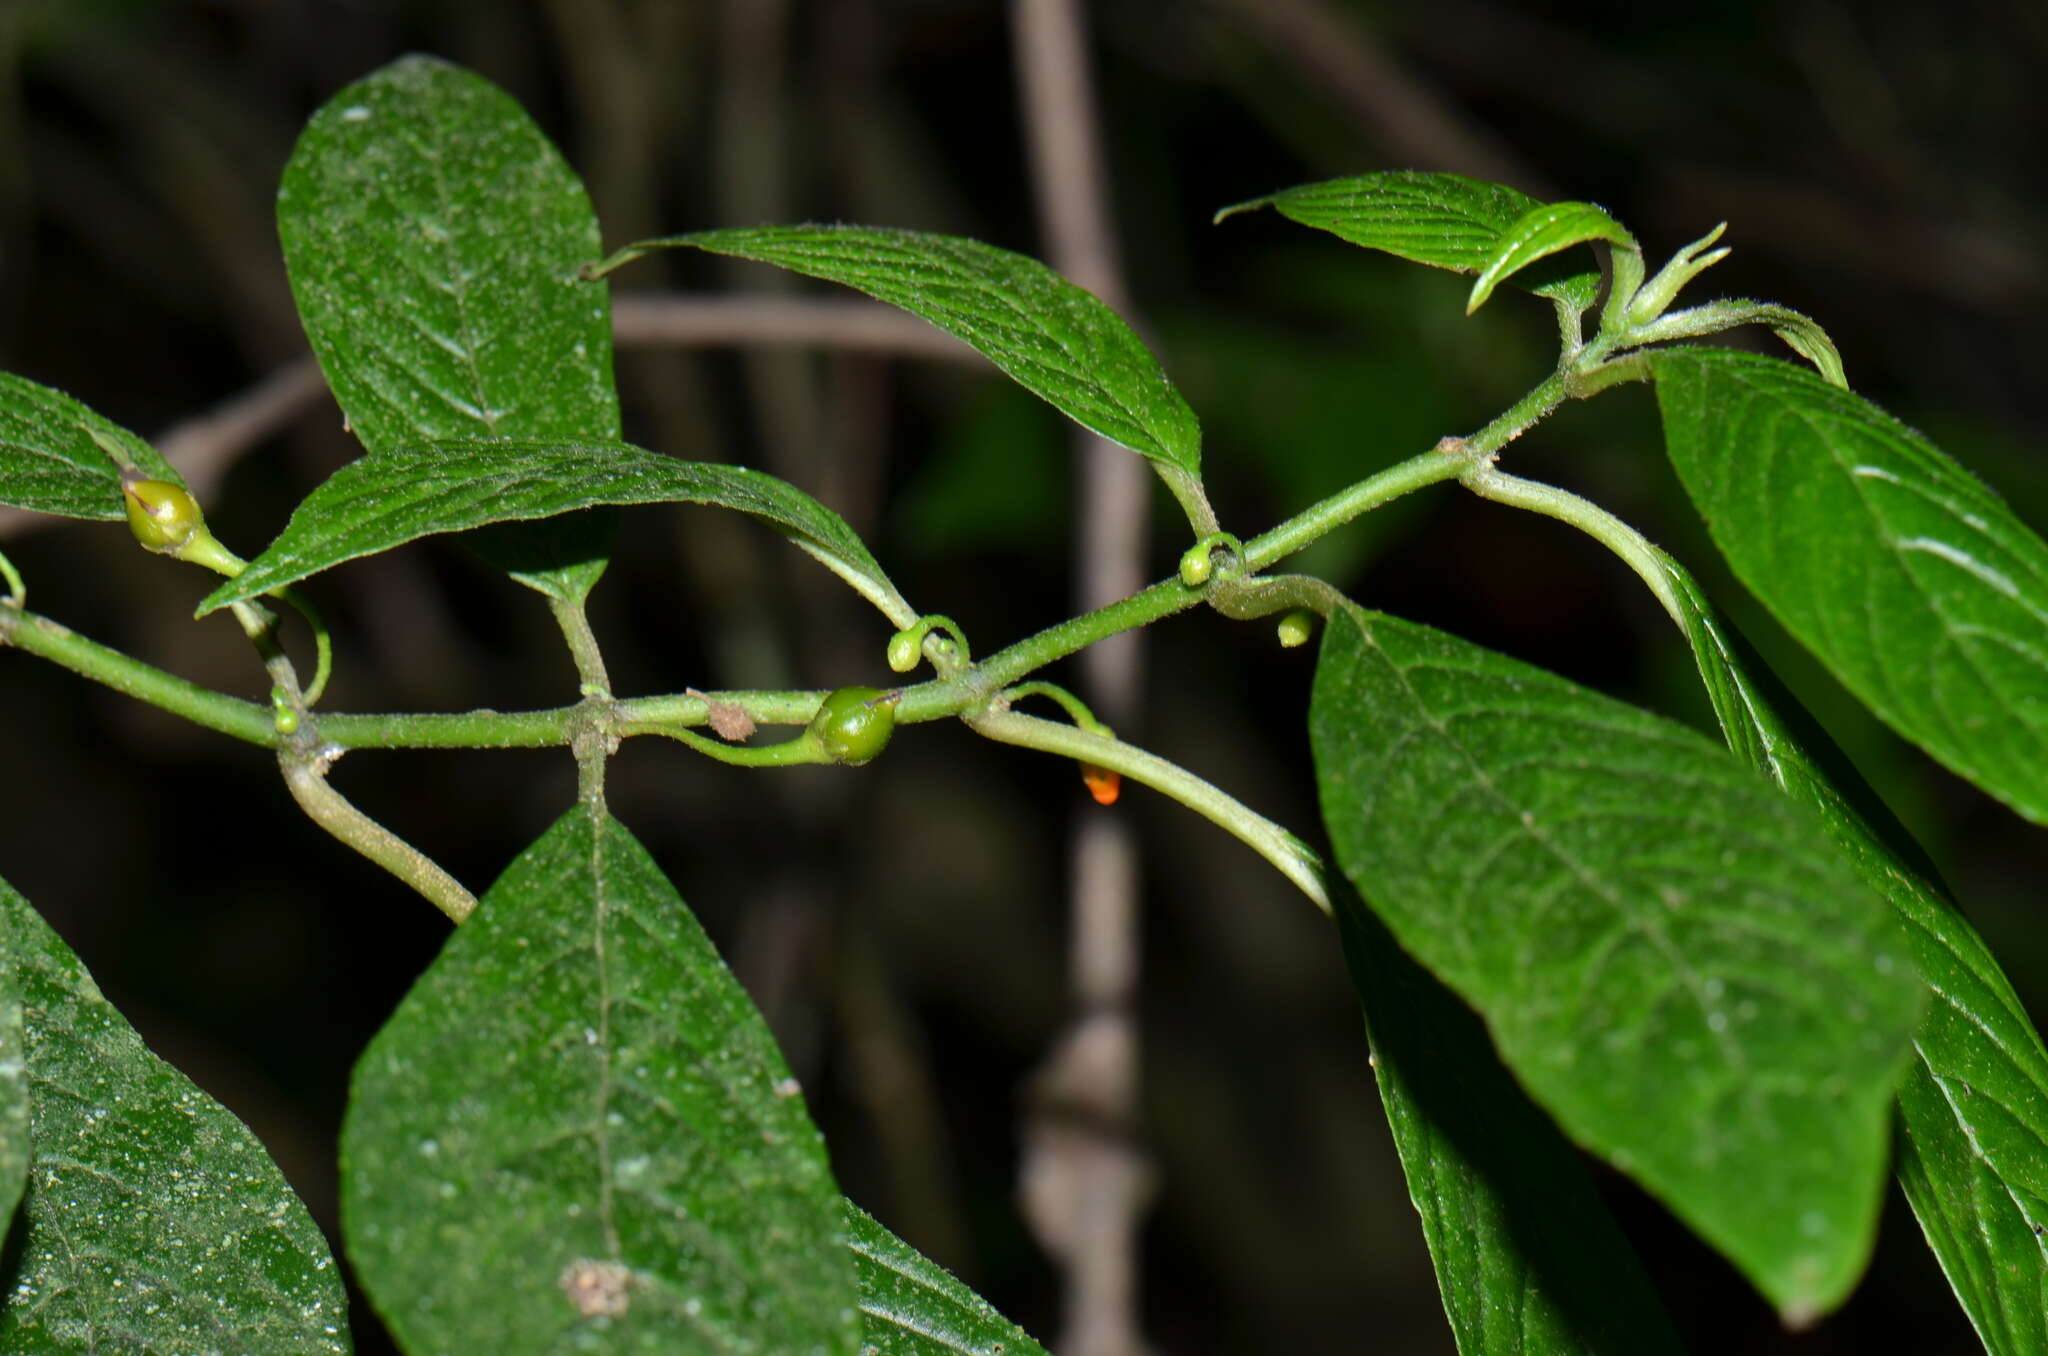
point(153, 1221)
point(1672, 960)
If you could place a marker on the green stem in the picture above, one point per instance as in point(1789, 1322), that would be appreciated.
point(1076, 709)
point(306, 777)
point(1617, 536)
point(216, 711)
point(323, 643)
point(1288, 854)
point(17, 592)
point(575, 625)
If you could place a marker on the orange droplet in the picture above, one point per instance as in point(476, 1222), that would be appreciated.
point(1103, 784)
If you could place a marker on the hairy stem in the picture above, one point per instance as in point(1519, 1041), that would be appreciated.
point(306, 777)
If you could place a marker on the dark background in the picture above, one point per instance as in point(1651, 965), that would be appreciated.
point(1879, 166)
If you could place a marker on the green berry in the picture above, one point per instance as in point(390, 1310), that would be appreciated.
point(853, 724)
point(1296, 627)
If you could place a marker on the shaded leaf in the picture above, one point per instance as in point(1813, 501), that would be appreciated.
point(1053, 338)
point(1913, 582)
point(50, 462)
point(1973, 1148)
point(1527, 1257)
point(1445, 220)
point(1541, 232)
point(153, 1220)
point(433, 237)
point(1671, 959)
point(577, 1133)
point(911, 1306)
point(389, 498)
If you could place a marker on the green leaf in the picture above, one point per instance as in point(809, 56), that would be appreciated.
point(153, 1221)
point(1528, 1259)
point(1444, 220)
point(1913, 582)
point(1973, 1155)
point(51, 462)
point(576, 1133)
point(1543, 231)
point(392, 497)
point(433, 237)
point(1671, 958)
point(1053, 338)
point(14, 1096)
point(911, 1306)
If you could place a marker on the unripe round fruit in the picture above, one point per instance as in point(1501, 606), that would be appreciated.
point(853, 724)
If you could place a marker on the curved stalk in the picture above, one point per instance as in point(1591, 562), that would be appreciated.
point(1292, 857)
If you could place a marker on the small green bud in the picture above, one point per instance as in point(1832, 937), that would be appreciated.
point(1296, 627)
point(163, 516)
point(282, 717)
point(1196, 565)
point(853, 724)
point(905, 647)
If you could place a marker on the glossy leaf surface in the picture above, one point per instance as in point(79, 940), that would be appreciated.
point(1913, 582)
point(1527, 1257)
point(911, 1306)
point(1540, 233)
point(1671, 958)
point(1053, 338)
point(576, 1132)
point(433, 237)
point(389, 498)
point(1973, 1155)
point(153, 1220)
point(1445, 220)
point(51, 463)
